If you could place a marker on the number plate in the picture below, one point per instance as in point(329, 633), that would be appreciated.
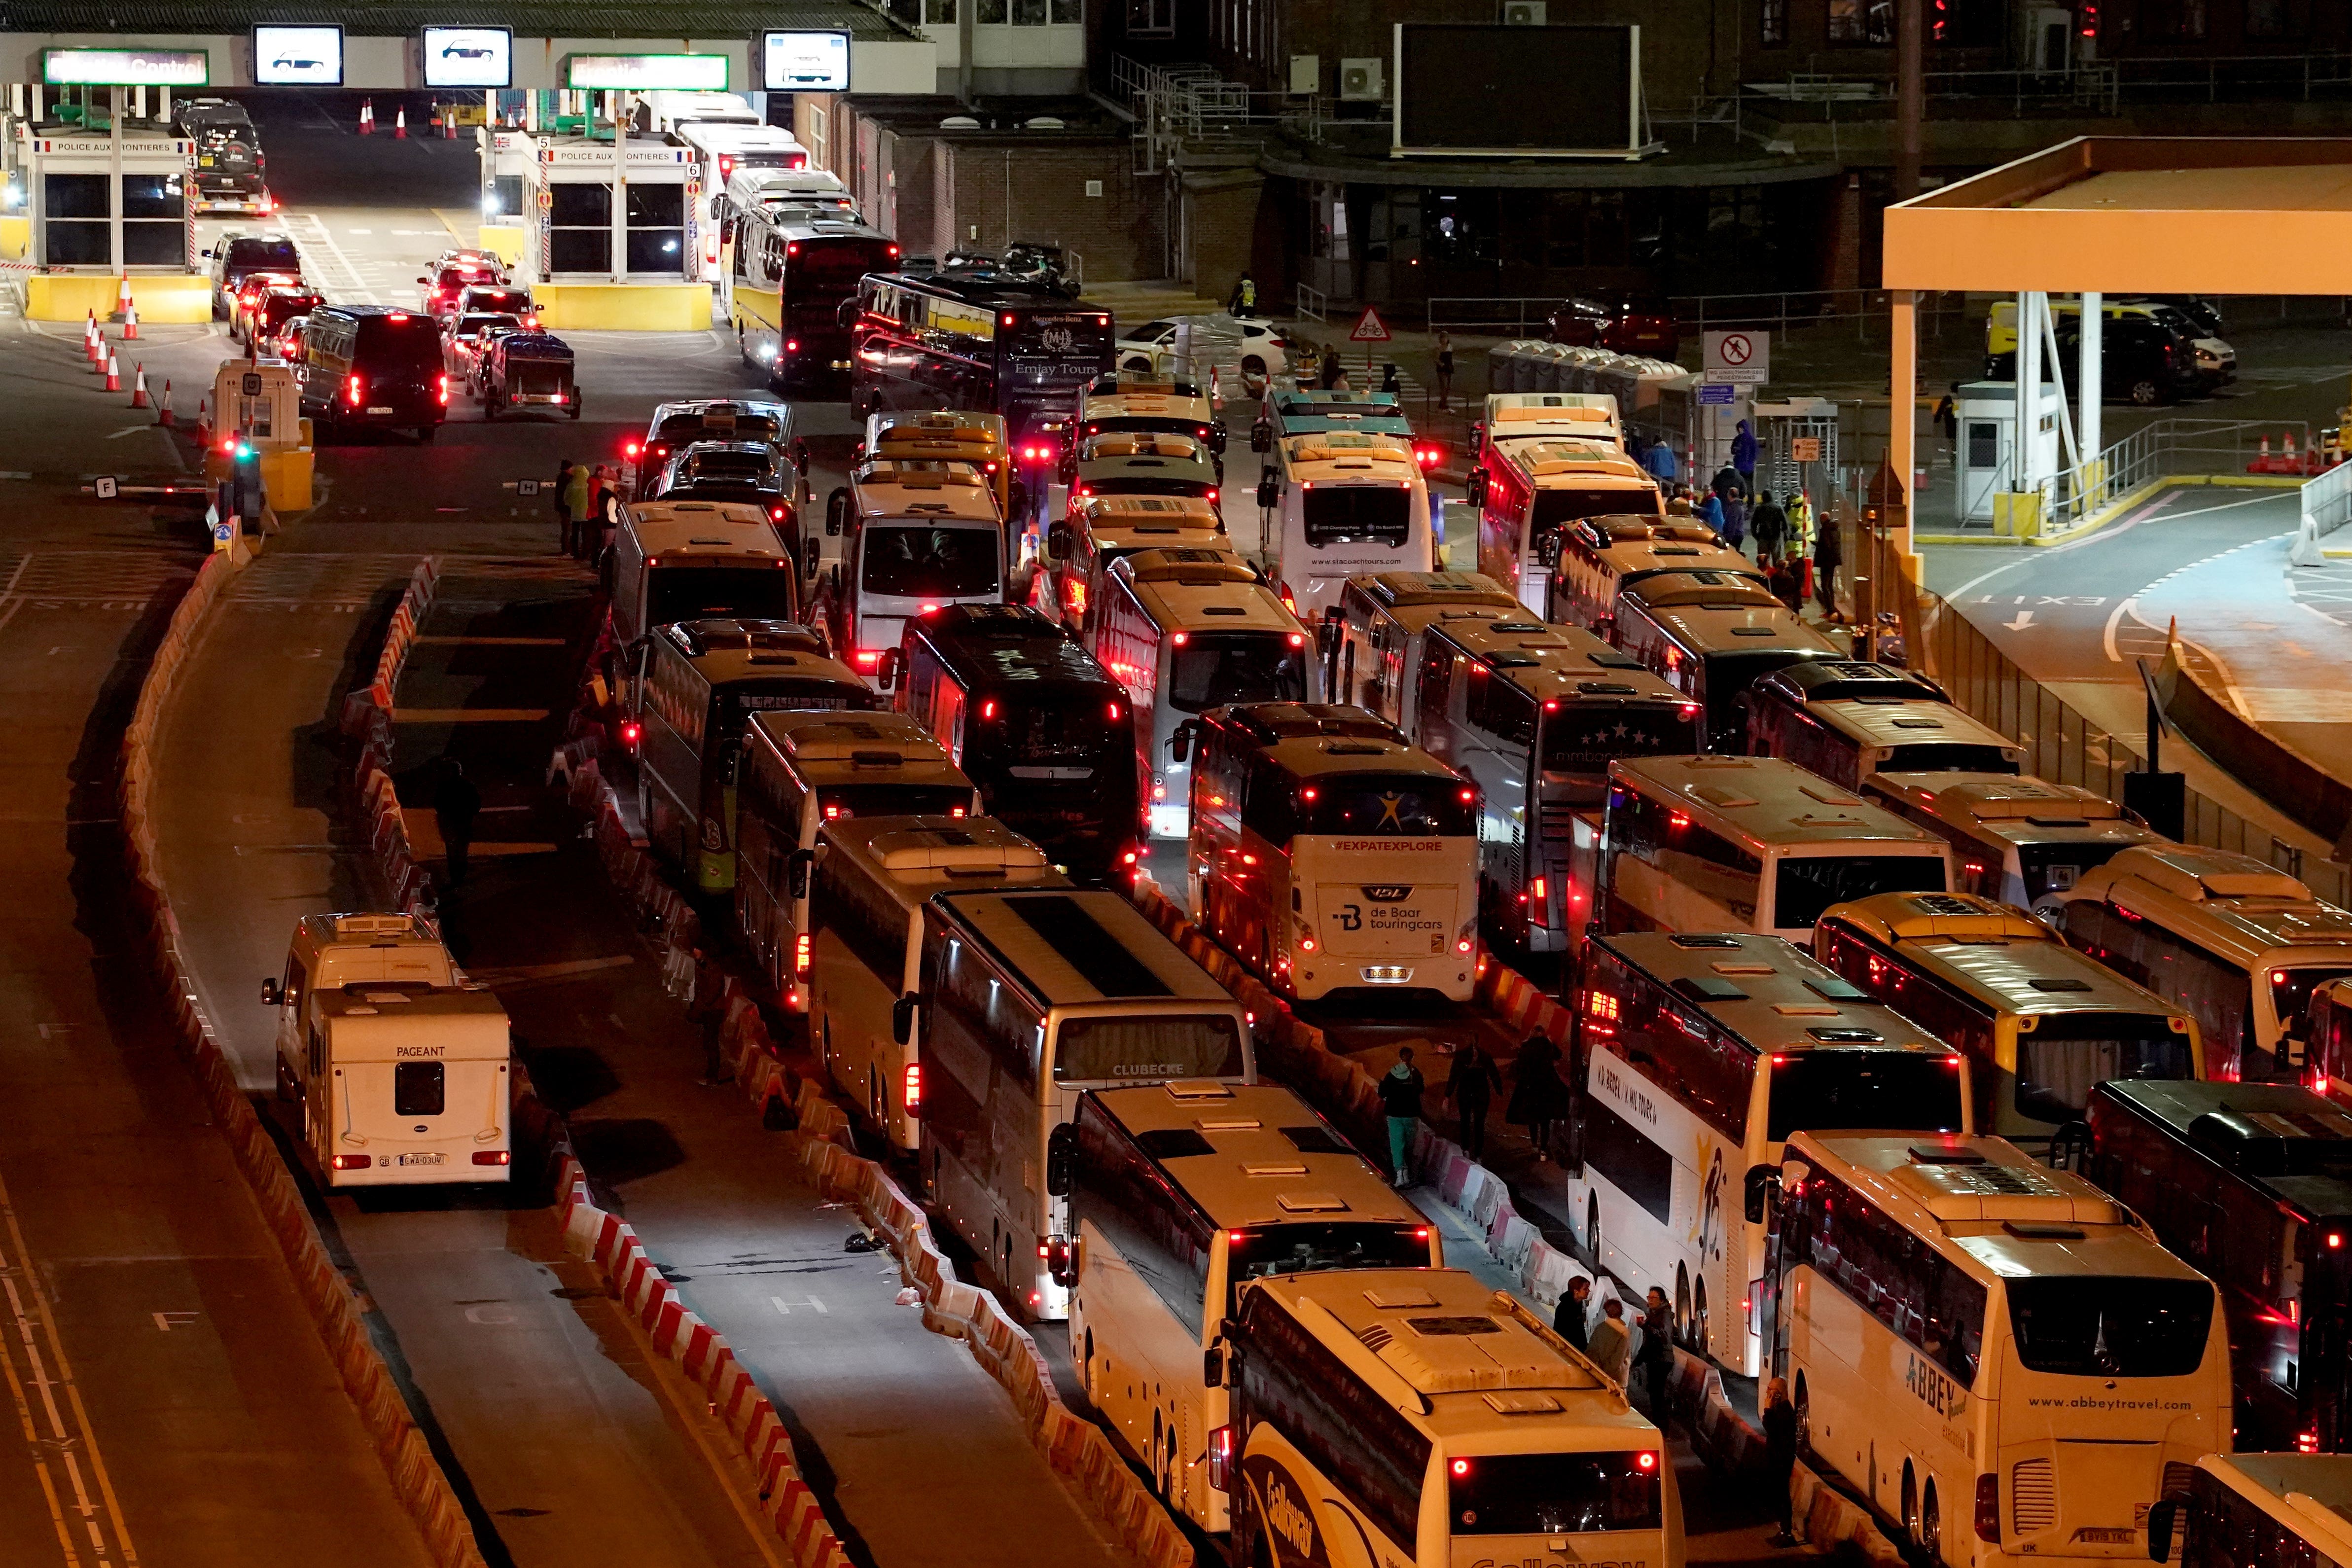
point(420, 1159)
point(2107, 1535)
point(385, 409)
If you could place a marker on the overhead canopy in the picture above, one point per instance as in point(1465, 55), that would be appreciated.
point(2151, 214)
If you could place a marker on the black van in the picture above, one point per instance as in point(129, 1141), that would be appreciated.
point(2141, 359)
point(373, 365)
point(1045, 732)
point(235, 254)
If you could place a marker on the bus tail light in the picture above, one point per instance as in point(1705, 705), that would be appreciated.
point(353, 1161)
point(1305, 942)
point(2307, 1440)
point(1289, 602)
point(631, 732)
point(801, 953)
point(869, 657)
point(492, 1157)
point(1645, 1461)
point(1221, 1458)
point(914, 1090)
point(630, 449)
point(792, 345)
point(1989, 1507)
point(1299, 639)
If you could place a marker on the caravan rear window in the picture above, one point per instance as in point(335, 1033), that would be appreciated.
point(419, 1088)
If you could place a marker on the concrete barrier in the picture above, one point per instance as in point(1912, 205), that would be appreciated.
point(2282, 775)
point(367, 715)
point(416, 1478)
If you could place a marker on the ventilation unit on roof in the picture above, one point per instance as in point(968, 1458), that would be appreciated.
point(1362, 80)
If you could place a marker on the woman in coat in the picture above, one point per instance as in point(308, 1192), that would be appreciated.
point(1537, 1093)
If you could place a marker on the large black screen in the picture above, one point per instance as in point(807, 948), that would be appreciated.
point(1468, 85)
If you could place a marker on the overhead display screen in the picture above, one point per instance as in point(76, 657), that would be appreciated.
point(127, 67)
point(806, 62)
point(1470, 87)
point(468, 56)
point(298, 56)
point(647, 73)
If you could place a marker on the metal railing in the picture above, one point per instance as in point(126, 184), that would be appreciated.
point(2063, 746)
point(1525, 315)
point(2327, 501)
point(2072, 497)
point(2101, 85)
point(1189, 107)
point(1312, 303)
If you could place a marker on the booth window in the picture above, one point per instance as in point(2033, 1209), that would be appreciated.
point(657, 228)
point(73, 207)
point(580, 225)
point(508, 189)
point(155, 221)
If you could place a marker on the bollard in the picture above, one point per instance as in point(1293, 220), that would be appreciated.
point(139, 387)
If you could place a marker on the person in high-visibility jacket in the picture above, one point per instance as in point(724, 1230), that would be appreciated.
point(1244, 299)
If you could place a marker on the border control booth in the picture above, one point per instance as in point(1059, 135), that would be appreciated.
point(613, 239)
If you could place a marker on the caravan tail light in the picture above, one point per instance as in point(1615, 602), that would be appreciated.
point(492, 1157)
point(353, 1161)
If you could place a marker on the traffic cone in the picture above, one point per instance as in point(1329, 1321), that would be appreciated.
point(97, 352)
point(203, 422)
point(2261, 463)
point(139, 388)
point(91, 338)
point(367, 117)
point(164, 410)
point(113, 372)
point(400, 122)
point(130, 314)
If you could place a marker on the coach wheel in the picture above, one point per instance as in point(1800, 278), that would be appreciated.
point(1698, 1318)
point(1087, 1369)
point(1910, 1503)
point(1682, 1304)
point(1804, 1402)
point(873, 1095)
point(1931, 1525)
point(1159, 1479)
point(1592, 1226)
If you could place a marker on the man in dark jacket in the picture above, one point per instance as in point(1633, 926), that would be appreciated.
point(1829, 554)
point(1471, 1085)
point(1780, 1453)
point(456, 803)
point(1401, 1100)
point(1570, 1319)
point(1656, 1356)
point(1769, 525)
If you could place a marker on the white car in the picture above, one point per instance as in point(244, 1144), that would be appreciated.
point(1253, 347)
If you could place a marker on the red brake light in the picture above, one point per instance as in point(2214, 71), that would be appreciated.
point(1114, 713)
point(1213, 498)
point(353, 391)
point(867, 658)
point(1989, 1507)
point(444, 389)
point(397, 316)
point(1461, 1467)
point(1468, 795)
point(630, 731)
point(1007, 319)
point(792, 345)
point(1299, 639)
point(492, 1157)
point(801, 953)
point(353, 1161)
point(2334, 1238)
point(988, 709)
point(1646, 1461)
point(894, 250)
point(914, 1087)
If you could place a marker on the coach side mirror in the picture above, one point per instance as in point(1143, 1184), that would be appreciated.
point(1061, 1254)
point(1328, 634)
point(1061, 1155)
point(815, 557)
point(858, 454)
point(1180, 743)
point(893, 666)
point(902, 1019)
point(1058, 541)
point(1269, 490)
point(270, 995)
point(1478, 437)
point(2161, 1517)
point(426, 281)
point(846, 316)
point(1213, 1366)
point(1763, 1191)
point(1473, 488)
point(796, 875)
point(836, 507)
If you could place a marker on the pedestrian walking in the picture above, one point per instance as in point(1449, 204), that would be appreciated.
point(1947, 415)
point(1401, 1101)
point(1571, 1319)
point(1536, 1091)
point(1334, 373)
point(1388, 381)
point(1612, 1346)
point(1444, 370)
point(563, 516)
point(1656, 1357)
point(1244, 299)
point(709, 1009)
point(456, 803)
point(1770, 525)
point(1659, 463)
point(1735, 519)
point(1829, 554)
point(1743, 456)
point(1471, 1084)
point(1710, 510)
point(1780, 1454)
point(1801, 525)
point(579, 496)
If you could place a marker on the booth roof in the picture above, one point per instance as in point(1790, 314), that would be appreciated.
point(713, 20)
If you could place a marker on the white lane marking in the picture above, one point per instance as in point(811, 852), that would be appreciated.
point(2024, 620)
point(70, 1429)
point(785, 1308)
point(9, 593)
point(2108, 638)
point(355, 290)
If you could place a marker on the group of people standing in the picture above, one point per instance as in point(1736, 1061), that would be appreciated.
point(587, 508)
point(1786, 536)
point(1538, 1099)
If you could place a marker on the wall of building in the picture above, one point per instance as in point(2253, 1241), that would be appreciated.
point(1079, 193)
